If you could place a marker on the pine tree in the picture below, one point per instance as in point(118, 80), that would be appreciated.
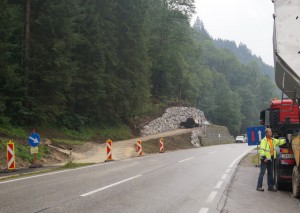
point(50, 66)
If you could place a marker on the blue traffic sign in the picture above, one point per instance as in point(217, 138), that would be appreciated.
point(255, 134)
point(34, 139)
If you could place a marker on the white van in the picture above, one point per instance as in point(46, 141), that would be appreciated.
point(240, 139)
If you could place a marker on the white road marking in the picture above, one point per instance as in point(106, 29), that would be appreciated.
point(52, 173)
point(224, 177)
point(219, 184)
point(111, 185)
point(211, 197)
point(212, 152)
point(203, 210)
point(231, 165)
point(185, 160)
point(227, 171)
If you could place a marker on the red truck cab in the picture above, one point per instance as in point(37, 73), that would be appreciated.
point(283, 118)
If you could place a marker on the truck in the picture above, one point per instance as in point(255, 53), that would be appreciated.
point(286, 49)
point(282, 117)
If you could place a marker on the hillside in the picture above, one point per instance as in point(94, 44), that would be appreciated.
point(101, 64)
point(92, 152)
point(57, 148)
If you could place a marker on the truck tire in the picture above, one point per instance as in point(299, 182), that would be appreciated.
point(278, 182)
point(296, 182)
point(276, 177)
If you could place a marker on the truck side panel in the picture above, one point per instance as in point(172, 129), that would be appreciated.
point(287, 46)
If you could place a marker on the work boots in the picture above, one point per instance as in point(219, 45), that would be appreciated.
point(260, 189)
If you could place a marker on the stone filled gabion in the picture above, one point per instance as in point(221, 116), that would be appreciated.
point(171, 120)
point(195, 138)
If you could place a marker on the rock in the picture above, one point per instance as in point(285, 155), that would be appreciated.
point(172, 118)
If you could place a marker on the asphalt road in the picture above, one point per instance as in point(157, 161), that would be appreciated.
point(188, 181)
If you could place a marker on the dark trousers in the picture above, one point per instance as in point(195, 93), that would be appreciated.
point(263, 167)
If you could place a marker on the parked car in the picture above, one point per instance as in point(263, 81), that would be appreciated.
point(240, 139)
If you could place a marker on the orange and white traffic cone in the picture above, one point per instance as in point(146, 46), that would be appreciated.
point(139, 148)
point(161, 145)
point(109, 150)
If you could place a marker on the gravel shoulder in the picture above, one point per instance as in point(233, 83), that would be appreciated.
point(124, 149)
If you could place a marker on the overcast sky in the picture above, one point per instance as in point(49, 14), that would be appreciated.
point(246, 21)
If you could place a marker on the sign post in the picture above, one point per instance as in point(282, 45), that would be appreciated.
point(255, 135)
point(34, 140)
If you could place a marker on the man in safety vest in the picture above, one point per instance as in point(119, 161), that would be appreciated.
point(267, 154)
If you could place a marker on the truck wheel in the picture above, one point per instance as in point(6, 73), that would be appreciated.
point(296, 182)
point(276, 177)
point(279, 185)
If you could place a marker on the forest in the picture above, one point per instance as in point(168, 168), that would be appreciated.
point(83, 63)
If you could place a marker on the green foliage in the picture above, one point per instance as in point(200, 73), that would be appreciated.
point(23, 152)
point(12, 131)
point(83, 134)
point(3, 160)
point(109, 63)
point(11, 95)
point(67, 141)
point(120, 132)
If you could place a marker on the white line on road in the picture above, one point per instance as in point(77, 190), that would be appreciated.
point(185, 160)
point(224, 177)
point(219, 184)
point(211, 197)
point(227, 171)
point(231, 165)
point(52, 173)
point(111, 185)
point(203, 210)
point(212, 152)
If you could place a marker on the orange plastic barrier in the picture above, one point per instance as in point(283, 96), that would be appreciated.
point(139, 148)
point(11, 164)
point(109, 150)
point(161, 145)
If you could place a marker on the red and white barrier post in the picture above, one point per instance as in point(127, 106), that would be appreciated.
point(139, 148)
point(109, 150)
point(11, 164)
point(161, 145)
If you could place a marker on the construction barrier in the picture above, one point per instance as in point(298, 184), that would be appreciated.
point(109, 150)
point(161, 145)
point(11, 164)
point(139, 148)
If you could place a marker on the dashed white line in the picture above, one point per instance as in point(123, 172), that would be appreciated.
point(224, 177)
point(211, 197)
point(52, 173)
point(212, 152)
point(219, 184)
point(203, 210)
point(111, 185)
point(227, 171)
point(185, 160)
